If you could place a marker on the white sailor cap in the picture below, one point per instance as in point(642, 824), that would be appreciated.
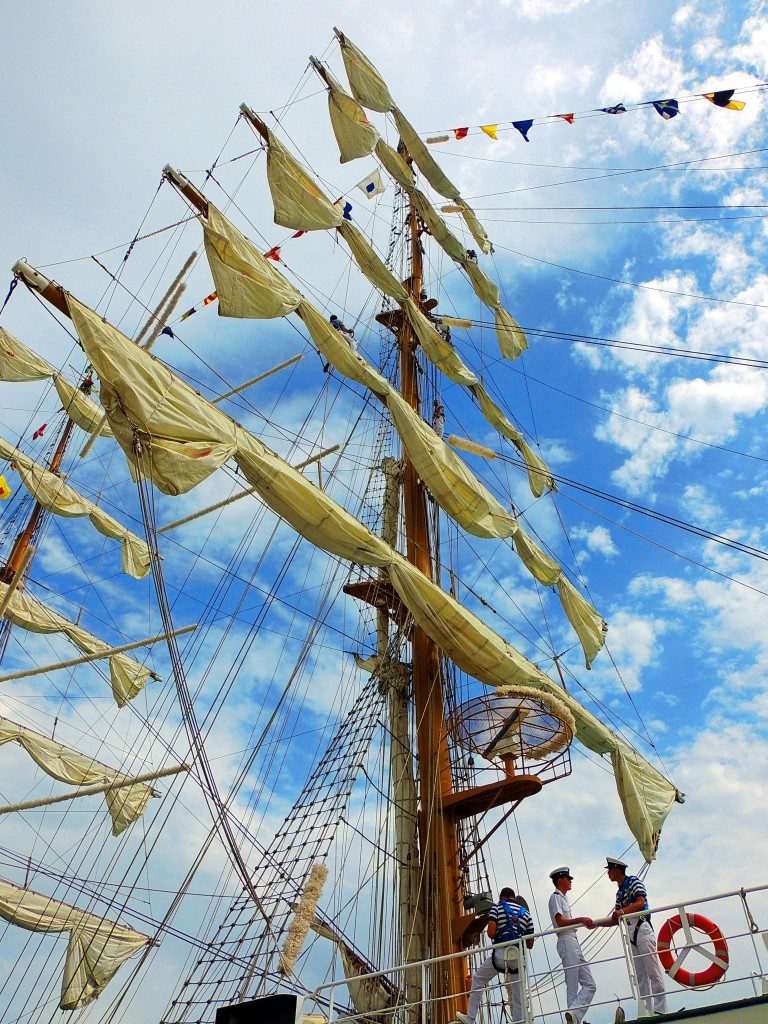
point(561, 871)
point(612, 862)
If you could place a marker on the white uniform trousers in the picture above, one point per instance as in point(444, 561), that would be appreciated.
point(650, 974)
point(483, 976)
point(579, 984)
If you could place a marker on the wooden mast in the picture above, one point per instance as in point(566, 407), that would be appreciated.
point(24, 539)
point(442, 886)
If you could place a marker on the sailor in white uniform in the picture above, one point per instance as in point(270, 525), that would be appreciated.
point(579, 983)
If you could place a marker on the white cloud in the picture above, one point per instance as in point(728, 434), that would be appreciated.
point(597, 538)
point(537, 9)
point(701, 506)
point(634, 641)
point(652, 68)
point(754, 49)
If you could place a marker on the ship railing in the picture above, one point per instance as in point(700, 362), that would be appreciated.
point(740, 914)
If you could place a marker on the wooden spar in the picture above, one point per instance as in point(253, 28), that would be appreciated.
point(187, 189)
point(442, 888)
point(255, 380)
point(70, 662)
point(102, 787)
point(254, 120)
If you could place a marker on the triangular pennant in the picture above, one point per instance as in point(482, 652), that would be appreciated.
point(5, 490)
point(667, 108)
point(298, 234)
point(565, 117)
point(461, 133)
point(273, 254)
point(39, 432)
point(489, 129)
point(523, 127)
point(618, 109)
point(206, 301)
point(724, 99)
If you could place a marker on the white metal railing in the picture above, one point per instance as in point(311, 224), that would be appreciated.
point(542, 992)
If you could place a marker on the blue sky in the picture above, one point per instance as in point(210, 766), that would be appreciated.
point(100, 97)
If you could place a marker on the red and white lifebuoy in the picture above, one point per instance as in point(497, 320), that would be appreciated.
point(672, 964)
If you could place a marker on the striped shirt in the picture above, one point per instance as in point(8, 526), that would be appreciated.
point(512, 921)
point(629, 890)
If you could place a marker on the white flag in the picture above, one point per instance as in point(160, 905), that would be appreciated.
point(372, 185)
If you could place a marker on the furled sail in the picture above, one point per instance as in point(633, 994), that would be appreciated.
point(423, 159)
point(476, 229)
point(299, 203)
point(394, 163)
point(248, 284)
point(354, 133)
point(437, 227)
point(80, 408)
point(371, 264)
point(369, 89)
point(58, 497)
point(511, 338)
point(368, 995)
point(127, 676)
point(125, 804)
point(437, 348)
point(450, 481)
point(145, 394)
point(19, 363)
point(96, 949)
point(367, 85)
point(539, 475)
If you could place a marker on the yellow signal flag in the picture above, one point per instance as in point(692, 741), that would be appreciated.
point(5, 490)
point(489, 129)
point(724, 99)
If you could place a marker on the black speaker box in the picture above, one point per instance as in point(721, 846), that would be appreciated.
point(279, 1009)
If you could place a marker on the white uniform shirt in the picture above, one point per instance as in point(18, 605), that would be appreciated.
point(558, 904)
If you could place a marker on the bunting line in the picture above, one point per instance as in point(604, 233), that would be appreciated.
point(666, 108)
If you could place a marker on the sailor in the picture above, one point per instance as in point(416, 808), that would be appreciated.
point(632, 897)
point(438, 418)
point(342, 329)
point(471, 256)
point(579, 984)
point(507, 920)
point(444, 331)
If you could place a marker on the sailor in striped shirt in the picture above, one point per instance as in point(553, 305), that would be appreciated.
point(507, 920)
point(630, 898)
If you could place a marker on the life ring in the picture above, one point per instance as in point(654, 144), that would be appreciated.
point(672, 963)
